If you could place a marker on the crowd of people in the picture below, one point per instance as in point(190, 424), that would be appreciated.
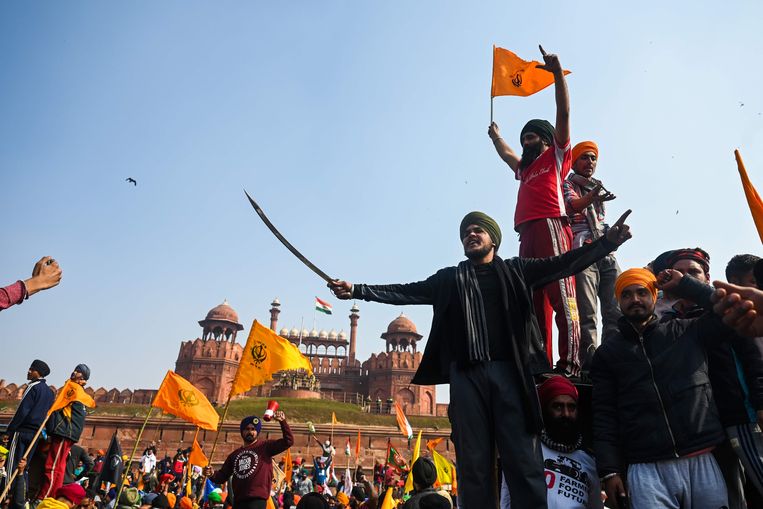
point(660, 410)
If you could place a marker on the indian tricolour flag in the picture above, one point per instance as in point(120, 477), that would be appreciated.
point(322, 306)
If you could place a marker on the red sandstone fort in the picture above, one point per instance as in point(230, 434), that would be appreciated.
point(210, 363)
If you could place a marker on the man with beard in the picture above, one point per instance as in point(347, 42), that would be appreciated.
point(584, 197)
point(736, 375)
point(540, 216)
point(653, 407)
point(484, 341)
point(252, 465)
point(571, 476)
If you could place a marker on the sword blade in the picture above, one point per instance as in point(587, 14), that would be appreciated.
point(310, 265)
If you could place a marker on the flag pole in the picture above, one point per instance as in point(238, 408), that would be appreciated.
point(132, 455)
point(491, 109)
point(23, 458)
point(219, 428)
point(187, 474)
point(492, 84)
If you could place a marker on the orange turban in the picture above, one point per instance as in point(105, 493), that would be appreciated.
point(172, 498)
point(641, 277)
point(583, 147)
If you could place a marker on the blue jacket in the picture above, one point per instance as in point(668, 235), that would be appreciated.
point(33, 408)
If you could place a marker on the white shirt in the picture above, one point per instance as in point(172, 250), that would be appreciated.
point(147, 463)
point(571, 481)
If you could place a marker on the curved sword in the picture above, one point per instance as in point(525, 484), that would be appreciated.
point(285, 242)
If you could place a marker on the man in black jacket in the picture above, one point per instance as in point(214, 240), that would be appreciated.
point(37, 399)
point(486, 343)
point(652, 400)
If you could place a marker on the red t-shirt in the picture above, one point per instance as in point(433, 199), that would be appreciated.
point(540, 193)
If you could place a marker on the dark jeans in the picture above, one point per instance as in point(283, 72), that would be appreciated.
point(20, 443)
point(252, 503)
point(486, 411)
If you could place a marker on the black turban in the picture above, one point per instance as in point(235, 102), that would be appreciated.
point(542, 128)
point(485, 222)
point(40, 367)
point(424, 472)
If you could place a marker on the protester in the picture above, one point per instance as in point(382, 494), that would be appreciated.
point(29, 416)
point(584, 197)
point(484, 336)
point(651, 411)
point(45, 274)
point(571, 476)
point(424, 476)
point(741, 270)
point(736, 374)
point(66, 497)
point(540, 216)
point(64, 428)
point(78, 464)
point(251, 465)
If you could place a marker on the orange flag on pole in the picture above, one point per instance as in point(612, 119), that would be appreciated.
point(753, 198)
point(357, 448)
point(178, 397)
point(69, 393)
point(266, 353)
point(287, 466)
point(514, 76)
point(197, 456)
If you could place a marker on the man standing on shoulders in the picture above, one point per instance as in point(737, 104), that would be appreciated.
point(584, 197)
point(571, 476)
point(653, 407)
point(540, 216)
point(484, 341)
point(252, 464)
point(64, 429)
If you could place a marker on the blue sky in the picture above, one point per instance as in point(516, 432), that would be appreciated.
point(360, 127)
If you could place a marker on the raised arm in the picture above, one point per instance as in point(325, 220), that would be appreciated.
point(551, 64)
point(421, 292)
point(503, 149)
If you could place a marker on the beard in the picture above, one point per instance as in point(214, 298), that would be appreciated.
point(477, 254)
point(529, 154)
point(562, 429)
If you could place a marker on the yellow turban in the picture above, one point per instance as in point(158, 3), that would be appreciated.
point(342, 498)
point(583, 147)
point(641, 277)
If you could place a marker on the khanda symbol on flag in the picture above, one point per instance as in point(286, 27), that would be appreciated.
point(514, 76)
point(177, 396)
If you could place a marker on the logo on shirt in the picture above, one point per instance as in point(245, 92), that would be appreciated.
point(245, 464)
point(566, 478)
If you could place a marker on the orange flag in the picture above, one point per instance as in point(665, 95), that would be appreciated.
point(357, 447)
point(70, 393)
point(197, 456)
point(753, 199)
point(266, 353)
point(514, 76)
point(402, 422)
point(178, 397)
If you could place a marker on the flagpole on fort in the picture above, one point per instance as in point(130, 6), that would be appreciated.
point(132, 455)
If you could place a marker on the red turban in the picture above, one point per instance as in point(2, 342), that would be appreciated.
point(583, 147)
point(73, 492)
point(556, 386)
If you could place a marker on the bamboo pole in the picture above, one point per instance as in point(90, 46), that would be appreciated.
point(24, 457)
point(132, 455)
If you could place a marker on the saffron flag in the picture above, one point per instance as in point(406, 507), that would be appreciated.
point(288, 466)
point(333, 419)
point(357, 448)
point(197, 456)
point(514, 76)
point(265, 354)
point(322, 306)
point(416, 451)
point(402, 422)
point(69, 393)
point(753, 199)
point(178, 397)
point(389, 502)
